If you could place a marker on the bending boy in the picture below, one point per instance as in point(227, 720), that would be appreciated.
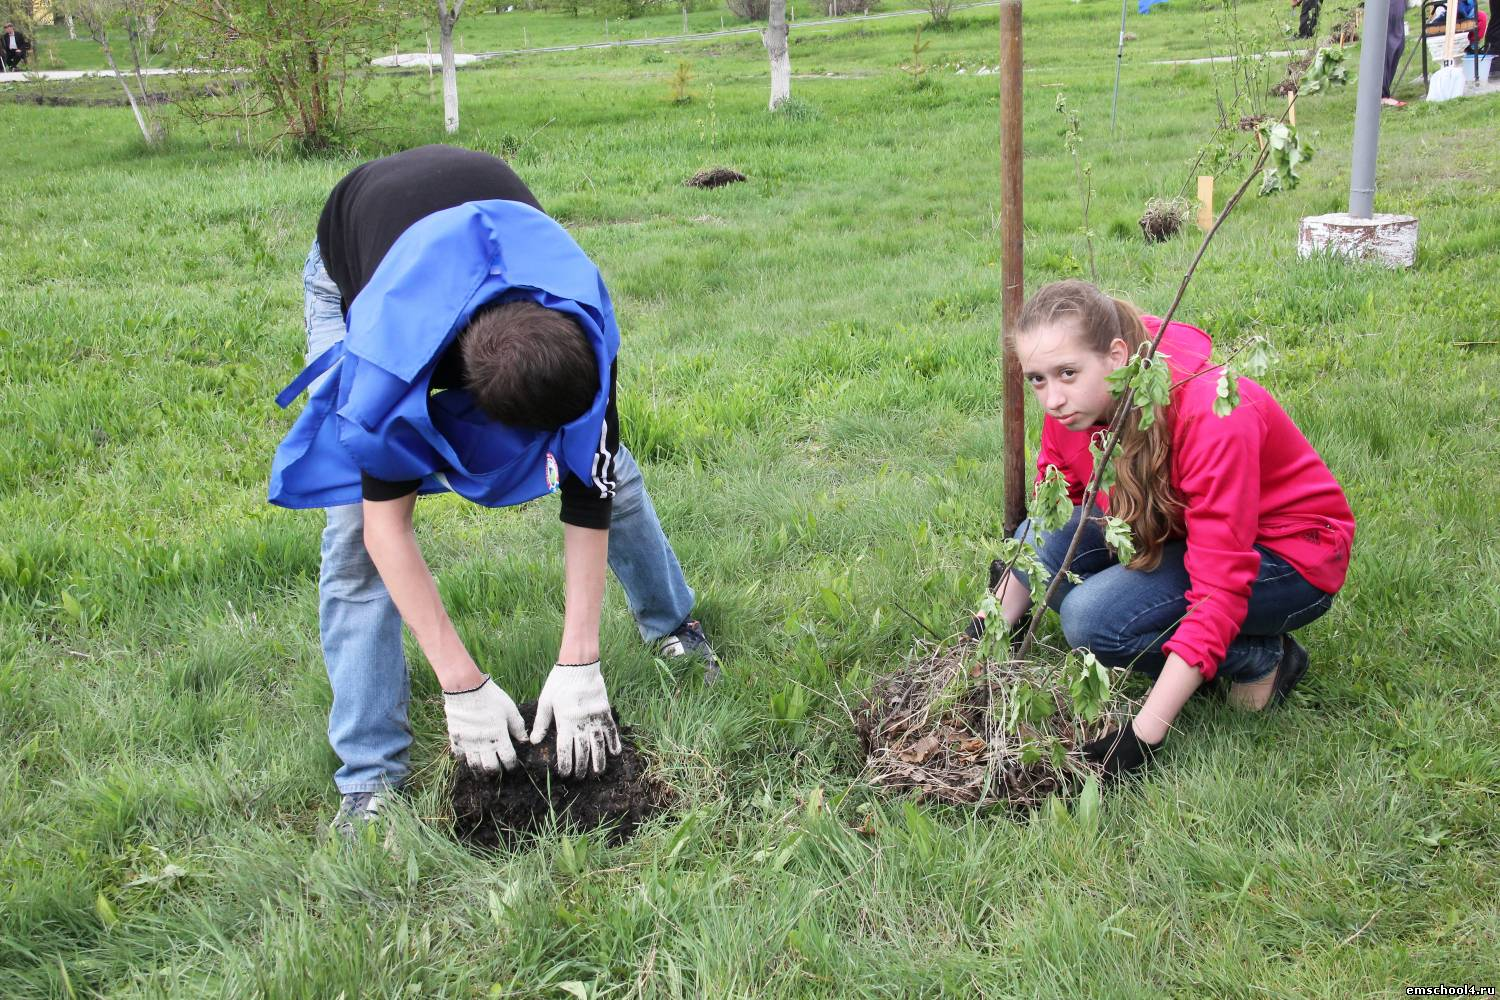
point(459, 340)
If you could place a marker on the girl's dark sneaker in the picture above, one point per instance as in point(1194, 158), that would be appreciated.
point(1293, 665)
point(688, 640)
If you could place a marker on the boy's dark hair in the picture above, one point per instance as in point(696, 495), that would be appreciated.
point(528, 366)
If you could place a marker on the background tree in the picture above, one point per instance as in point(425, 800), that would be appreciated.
point(775, 38)
point(448, 11)
point(750, 10)
point(98, 16)
point(303, 65)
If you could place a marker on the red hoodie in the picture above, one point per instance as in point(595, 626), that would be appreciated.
point(1247, 479)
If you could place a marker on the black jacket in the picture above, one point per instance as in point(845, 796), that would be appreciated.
point(23, 47)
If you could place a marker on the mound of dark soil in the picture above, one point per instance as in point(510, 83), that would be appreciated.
point(716, 177)
point(501, 809)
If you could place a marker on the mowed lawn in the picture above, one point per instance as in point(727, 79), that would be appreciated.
point(810, 378)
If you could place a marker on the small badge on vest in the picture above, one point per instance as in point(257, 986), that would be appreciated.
point(554, 480)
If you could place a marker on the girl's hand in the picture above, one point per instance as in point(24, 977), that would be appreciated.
point(1119, 752)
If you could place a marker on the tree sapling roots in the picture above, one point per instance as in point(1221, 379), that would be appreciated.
point(1163, 218)
point(957, 727)
point(502, 809)
point(715, 177)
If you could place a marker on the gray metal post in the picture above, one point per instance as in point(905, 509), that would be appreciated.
point(1367, 108)
point(1114, 104)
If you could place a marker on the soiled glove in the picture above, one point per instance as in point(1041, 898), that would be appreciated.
point(482, 722)
point(1119, 751)
point(575, 698)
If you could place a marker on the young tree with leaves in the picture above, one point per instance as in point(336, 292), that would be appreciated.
point(1215, 532)
point(302, 66)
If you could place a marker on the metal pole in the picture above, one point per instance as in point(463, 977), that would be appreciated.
point(1114, 104)
point(1012, 274)
point(1367, 108)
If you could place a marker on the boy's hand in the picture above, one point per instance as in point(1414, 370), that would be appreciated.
point(575, 697)
point(482, 722)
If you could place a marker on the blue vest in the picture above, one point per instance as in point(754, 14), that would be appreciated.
point(374, 413)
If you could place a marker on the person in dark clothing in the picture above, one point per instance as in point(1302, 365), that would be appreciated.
point(1307, 24)
point(403, 243)
point(14, 48)
point(1395, 44)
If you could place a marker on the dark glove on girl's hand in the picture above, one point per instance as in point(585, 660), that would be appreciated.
point(1118, 752)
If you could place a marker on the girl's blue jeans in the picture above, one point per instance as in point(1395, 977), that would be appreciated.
point(361, 629)
point(1124, 616)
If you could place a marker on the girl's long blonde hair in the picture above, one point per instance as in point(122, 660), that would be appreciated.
point(1142, 496)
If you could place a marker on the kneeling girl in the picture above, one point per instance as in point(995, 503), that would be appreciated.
point(1242, 535)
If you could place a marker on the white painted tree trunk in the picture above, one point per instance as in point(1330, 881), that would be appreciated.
point(447, 18)
point(103, 40)
point(1388, 239)
point(72, 31)
point(775, 38)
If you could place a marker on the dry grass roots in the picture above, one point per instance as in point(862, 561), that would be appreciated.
point(1163, 218)
point(935, 728)
point(715, 177)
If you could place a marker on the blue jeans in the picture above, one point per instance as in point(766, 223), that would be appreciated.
point(361, 629)
point(1124, 616)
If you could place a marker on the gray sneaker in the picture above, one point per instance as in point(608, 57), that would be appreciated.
point(688, 640)
point(357, 810)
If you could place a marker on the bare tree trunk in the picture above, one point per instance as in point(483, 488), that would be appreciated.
point(102, 37)
point(775, 38)
point(140, 27)
point(447, 18)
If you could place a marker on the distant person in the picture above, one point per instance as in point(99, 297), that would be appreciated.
point(469, 346)
point(14, 48)
point(1307, 24)
point(1242, 535)
point(1395, 44)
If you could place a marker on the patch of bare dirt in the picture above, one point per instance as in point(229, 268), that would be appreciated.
point(500, 810)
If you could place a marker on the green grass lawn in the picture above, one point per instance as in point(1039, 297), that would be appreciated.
point(810, 379)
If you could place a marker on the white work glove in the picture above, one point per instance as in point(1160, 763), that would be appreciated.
point(482, 722)
point(574, 694)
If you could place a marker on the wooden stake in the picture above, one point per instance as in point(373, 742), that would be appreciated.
point(1291, 108)
point(1206, 202)
point(1012, 270)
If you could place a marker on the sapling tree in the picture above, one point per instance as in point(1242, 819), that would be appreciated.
point(1143, 387)
point(303, 66)
point(98, 16)
point(991, 723)
point(1083, 174)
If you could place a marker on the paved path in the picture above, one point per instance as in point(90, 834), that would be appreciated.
point(79, 74)
point(1224, 59)
point(702, 36)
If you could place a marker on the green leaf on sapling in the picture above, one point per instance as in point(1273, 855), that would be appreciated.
point(1257, 357)
point(1118, 537)
point(1050, 506)
point(1096, 449)
point(1227, 396)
